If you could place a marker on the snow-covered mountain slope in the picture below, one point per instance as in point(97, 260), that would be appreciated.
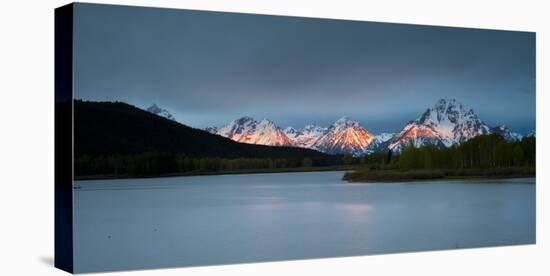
point(383, 137)
point(447, 123)
point(305, 137)
point(380, 142)
point(345, 136)
point(155, 109)
point(247, 130)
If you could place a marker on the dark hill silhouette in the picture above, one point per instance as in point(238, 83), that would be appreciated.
point(110, 137)
point(119, 128)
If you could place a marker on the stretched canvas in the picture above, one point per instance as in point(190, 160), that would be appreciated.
point(192, 138)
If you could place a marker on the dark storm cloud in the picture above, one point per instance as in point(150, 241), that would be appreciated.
point(208, 68)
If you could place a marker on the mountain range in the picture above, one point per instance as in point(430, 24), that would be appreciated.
point(446, 123)
point(344, 136)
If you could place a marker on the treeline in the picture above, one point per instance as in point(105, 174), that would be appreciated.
point(481, 152)
point(155, 164)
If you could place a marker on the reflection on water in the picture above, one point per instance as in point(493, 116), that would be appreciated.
point(358, 209)
point(190, 221)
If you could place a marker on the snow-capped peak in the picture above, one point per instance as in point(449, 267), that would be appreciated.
point(238, 126)
point(453, 122)
point(267, 122)
point(247, 130)
point(345, 121)
point(344, 136)
point(447, 123)
point(245, 121)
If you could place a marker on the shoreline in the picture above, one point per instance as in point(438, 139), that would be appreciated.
point(389, 176)
point(259, 171)
point(354, 175)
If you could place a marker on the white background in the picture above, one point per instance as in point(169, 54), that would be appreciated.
point(26, 136)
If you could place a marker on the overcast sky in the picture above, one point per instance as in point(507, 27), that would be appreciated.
point(209, 68)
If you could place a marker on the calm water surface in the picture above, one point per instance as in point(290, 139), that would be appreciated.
point(204, 220)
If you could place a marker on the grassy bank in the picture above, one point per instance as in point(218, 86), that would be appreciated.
point(198, 173)
point(366, 175)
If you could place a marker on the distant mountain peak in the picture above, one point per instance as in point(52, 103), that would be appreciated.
point(155, 109)
point(344, 136)
point(447, 123)
point(447, 110)
point(443, 102)
point(450, 104)
point(266, 122)
point(306, 136)
point(244, 119)
point(344, 120)
point(247, 130)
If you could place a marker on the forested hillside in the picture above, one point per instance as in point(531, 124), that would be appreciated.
point(114, 138)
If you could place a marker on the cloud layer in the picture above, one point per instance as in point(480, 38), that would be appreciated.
point(208, 68)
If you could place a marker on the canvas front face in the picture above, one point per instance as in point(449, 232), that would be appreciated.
point(205, 138)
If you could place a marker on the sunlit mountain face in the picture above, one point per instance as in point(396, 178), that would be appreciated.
point(345, 136)
point(247, 130)
point(446, 123)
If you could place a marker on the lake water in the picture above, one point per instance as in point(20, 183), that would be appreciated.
point(205, 220)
